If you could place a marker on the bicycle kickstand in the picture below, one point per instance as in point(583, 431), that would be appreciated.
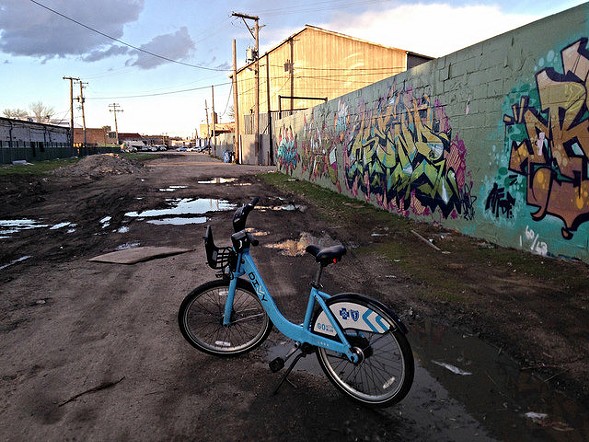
point(278, 363)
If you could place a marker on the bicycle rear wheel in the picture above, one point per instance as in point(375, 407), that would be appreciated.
point(385, 372)
point(201, 319)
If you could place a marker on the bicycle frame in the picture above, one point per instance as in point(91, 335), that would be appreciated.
point(298, 332)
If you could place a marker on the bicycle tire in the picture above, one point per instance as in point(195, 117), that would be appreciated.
point(385, 375)
point(201, 319)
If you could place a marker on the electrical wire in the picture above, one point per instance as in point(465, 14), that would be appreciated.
point(158, 94)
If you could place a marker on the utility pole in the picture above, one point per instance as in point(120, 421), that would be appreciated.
point(114, 107)
point(81, 100)
point(271, 156)
point(71, 79)
point(208, 128)
point(237, 146)
point(256, 35)
point(214, 118)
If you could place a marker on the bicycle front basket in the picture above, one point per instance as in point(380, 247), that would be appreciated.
point(218, 258)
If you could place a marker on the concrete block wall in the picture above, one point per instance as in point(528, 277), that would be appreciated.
point(492, 140)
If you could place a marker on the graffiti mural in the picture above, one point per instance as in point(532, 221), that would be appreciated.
point(319, 147)
point(500, 202)
point(402, 152)
point(287, 156)
point(548, 140)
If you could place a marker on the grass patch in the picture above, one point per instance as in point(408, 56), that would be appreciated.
point(38, 168)
point(46, 166)
point(329, 201)
point(440, 276)
point(138, 156)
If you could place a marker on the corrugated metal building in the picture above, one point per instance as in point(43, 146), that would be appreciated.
point(309, 67)
point(26, 140)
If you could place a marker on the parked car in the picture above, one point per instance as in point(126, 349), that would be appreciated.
point(180, 149)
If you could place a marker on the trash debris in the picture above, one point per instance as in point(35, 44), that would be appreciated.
point(292, 247)
point(536, 416)
point(453, 368)
point(14, 261)
point(100, 387)
point(428, 242)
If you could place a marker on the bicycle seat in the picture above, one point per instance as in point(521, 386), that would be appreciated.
point(327, 255)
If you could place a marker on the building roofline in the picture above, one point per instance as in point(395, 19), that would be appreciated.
point(327, 31)
point(35, 123)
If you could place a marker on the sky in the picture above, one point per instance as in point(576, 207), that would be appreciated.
point(164, 61)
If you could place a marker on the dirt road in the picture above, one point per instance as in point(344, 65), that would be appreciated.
point(92, 350)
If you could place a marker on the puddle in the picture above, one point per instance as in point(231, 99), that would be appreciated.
point(224, 181)
point(15, 261)
point(105, 222)
point(173, 188)
point(181, 211)
point(178, 221)
point(465, 389)
point(510, 402)
point(60, 225)
point(12, 226)
point(129, 245)
point(218, 181)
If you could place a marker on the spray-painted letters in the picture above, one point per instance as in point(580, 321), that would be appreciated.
point(553, 154)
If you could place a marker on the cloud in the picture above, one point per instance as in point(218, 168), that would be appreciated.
point(433, 29)
point(100, 54)
point(28, 29)
point(174, 46)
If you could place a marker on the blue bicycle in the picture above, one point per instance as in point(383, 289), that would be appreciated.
point(359, 342)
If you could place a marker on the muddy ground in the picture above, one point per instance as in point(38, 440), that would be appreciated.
point(92, 351)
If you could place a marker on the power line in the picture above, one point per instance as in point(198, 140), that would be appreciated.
point(160, 93)
point(125, 43)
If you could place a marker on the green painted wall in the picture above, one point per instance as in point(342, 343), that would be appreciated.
point(491, 141)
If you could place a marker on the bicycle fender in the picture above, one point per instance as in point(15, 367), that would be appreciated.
point(351, 314)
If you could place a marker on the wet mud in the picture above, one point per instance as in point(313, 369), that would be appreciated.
point(70, 327)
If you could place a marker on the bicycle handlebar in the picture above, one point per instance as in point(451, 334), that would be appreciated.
point(240, 217)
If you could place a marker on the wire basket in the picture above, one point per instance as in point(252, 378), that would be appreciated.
point(223, 258)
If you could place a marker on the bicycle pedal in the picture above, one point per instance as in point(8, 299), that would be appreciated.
point(276, 365)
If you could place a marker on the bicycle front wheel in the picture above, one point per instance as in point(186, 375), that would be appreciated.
point(201, 319)
point(384, 374)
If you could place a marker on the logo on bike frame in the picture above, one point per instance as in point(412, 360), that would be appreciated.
point(352, 315)
point(345, 314)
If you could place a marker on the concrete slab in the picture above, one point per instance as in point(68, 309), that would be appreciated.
point(138, 254)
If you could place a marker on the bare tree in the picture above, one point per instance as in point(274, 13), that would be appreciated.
point(41, 112)
point(231, 112)
point(15, 114)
